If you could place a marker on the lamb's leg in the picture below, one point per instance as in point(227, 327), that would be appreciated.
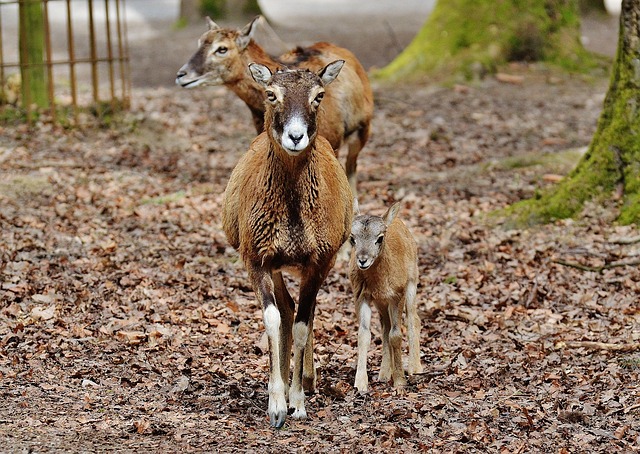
point(286, 306)
point(263, 286)
point(364, 340)
point(413, 330)
point(395, 341)
point(385, 365)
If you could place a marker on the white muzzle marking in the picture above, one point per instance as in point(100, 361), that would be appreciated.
point(294, 135)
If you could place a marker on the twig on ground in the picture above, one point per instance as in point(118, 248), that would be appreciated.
point(603, 346)
point(623, 409)
point(39, 165)
point(596, 269)
point(631, 240)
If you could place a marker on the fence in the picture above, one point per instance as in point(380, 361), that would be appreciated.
point(85, 56)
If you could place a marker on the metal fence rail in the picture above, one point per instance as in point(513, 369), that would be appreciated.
point(88, 38)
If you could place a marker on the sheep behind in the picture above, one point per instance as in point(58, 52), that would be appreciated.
point(345, 115)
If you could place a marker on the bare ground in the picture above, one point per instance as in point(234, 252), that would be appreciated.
point(127, 322)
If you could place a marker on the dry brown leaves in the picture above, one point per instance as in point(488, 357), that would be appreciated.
point(127, 323)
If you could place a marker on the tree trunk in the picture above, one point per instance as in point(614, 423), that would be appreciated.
point(32, 69)
point(467, 38)
point(611, 166)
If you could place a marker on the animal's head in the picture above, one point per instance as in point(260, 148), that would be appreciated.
point(367, 235)
point(218, 58)
point(292, 101)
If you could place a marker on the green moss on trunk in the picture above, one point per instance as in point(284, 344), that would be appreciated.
point(463, 37)
point(612, 164)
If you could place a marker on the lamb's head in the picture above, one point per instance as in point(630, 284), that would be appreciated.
point(218, 58)
point(367, 235)
point(292, 101)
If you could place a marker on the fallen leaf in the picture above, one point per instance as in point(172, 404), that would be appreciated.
point(133, 337)
point(38, 313)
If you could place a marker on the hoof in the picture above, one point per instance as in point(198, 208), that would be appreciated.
point(384, 378)
point(276, 420)
point(299, 413)
point(361, 384)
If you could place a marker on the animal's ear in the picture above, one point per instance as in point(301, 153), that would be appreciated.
point(211, 24)
point(245, 35)
point(329, 73)
point(391, 213)
point(260, 73)
point(356, 206)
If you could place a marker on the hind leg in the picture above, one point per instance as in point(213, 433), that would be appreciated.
point(395, 343)
point(309, 376)
point(413, 330)
point(356, 142)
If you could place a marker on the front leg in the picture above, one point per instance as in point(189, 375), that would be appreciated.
point(286, 306)
point(309, 286)
point(385, 365)
point(364, 340)
point(263, 286)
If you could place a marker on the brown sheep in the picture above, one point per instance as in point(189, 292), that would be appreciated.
point(287, 207)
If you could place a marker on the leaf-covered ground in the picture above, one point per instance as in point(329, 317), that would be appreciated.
point(127, 322)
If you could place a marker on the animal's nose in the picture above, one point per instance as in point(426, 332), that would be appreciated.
point(362, 262)
point(295, 138)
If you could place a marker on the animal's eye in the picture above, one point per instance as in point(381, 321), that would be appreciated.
point(318, 98)
point(221, 50)
point(352, 240)
point(379, 240)
point(271, 96)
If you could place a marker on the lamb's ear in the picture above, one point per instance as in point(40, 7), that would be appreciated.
point(260, 73)
point(356, 207)
point(329, 73)
point(391, 213)
point(245, 35)
point(211, 24)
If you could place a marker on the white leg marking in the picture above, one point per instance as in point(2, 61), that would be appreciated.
point(277, 402)
point(296, 393)
point(413, 330)
point(364, 340)
point(271, 317)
